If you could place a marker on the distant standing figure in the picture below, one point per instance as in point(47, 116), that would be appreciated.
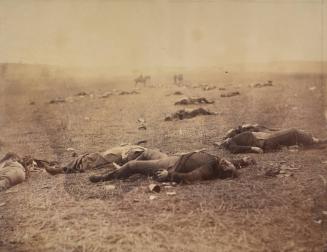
point(178, 79)
point(142, 79)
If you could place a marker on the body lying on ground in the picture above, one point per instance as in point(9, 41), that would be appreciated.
point(260, 85)
point(109, 158)
point(205, 87)
point(57, 100)
point(193, 100)
point(128, 92)
point(247, 127)
point(188, 113)
point(259, 140)
point(230, 94)
point(185, 168)
point(13, 171)
point(175, 93)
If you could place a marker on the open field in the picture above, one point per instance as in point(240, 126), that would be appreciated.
point(251, 213)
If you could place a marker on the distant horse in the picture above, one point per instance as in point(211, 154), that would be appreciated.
point(142, 79)
point(178, 78)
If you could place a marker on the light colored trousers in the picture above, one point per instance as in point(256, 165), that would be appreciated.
point(11, 173)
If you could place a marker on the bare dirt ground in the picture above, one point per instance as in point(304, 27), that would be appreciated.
point(251, 213)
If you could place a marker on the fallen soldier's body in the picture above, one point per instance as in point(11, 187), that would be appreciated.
point(208, 88)
point(106, 95)
point(13, 170)
point(247, 127)
point(188, 113)
point(192, 100)
point(205, 87)
point(260, 85)
point(128, 92)
point(185, 168)
point(259, 141)
point(175, 93)
point(230, 94)
point(109, 158)
point(57, 100)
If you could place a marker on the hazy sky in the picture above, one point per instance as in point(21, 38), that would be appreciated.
point(161, 32)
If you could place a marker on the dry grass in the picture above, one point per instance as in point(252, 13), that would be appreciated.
point(251, 213)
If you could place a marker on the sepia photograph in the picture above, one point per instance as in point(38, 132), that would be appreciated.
point(163, 125)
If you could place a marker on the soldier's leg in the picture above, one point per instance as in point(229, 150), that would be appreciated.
point(302, 137)
point(290, 137)
point(11, 175)
point(132, 167)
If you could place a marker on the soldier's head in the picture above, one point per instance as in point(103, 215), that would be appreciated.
point(228, 170)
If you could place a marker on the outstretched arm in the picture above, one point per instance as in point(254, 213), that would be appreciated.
point(147, 168)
